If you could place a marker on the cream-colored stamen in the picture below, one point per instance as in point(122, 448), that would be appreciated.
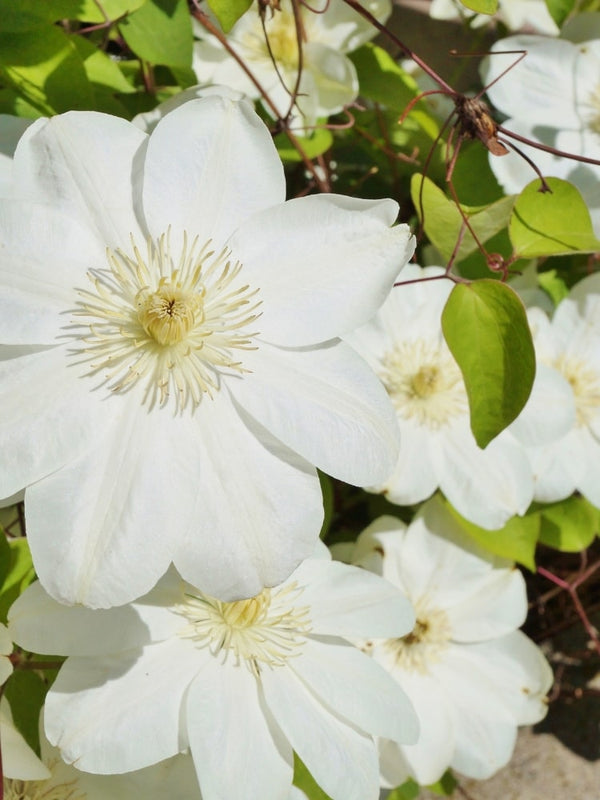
point(261, 631)
point(425, 644)
point(174, 322)
point(41, 790)
point(586, 388)
point(424, 383)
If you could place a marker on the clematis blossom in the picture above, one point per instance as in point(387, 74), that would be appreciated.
point(552, 96)
point(404, 344)
point(323, 78)
point(242, 684)
point(472, 676)
point(172, 368)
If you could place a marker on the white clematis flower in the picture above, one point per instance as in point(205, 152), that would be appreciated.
point(552, 96)
point(569, 345)
point(405, 346)
point(471, 675)
point(239, 683)
point(327, 80)
point(171, 368)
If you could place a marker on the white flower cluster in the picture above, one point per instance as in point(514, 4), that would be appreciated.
point(180, 349)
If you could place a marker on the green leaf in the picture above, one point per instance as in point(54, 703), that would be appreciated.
point(569, 526)
point(443, 222)
point(305, 781)
point(381, 79)
point(313, 146)
point(5, 559)
point(105, 77)
point(328, 502)
point(445, 786)
point(229, 11)
point(23, 15)
point(160, 32)
point(553, 285)
point(90, 10)
point(26, 692)
point(486, 329)
point(560, 10)
point(516, 541)
point(409, 790)
point(481, 6)
point(44, 66)
point(551, 223)
point(20, 575)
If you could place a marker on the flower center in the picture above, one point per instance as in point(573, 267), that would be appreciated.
point(424, 383)
point(593, 120)
point(586, 388)
point(263, 630)
point(41, 790)
point(425, 644)
point(174, 325)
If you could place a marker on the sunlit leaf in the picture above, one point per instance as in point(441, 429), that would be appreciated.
point(551, 223)
point(445, 786)
point(443, 222)
point(381, 78)
point(486, 329)
point(20, 575)
point(409, 790)
point(516, 541)
point(560, 10)
point(44, 66)
point(229, 11)
point(570, 525)
point(92, 11)
point(23, 15)
point(160, 32)
point(312, 146)
point(481, 6)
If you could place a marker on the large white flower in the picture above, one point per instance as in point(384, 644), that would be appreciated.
point(327, 80)
point(552, 96)
point(171, 370)
point(569, 344)
point(239, 683)
point(471, 676)
point(405, 345)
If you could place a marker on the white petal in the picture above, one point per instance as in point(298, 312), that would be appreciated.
point(48, 417)
point(18, 759)
point(324, 264)
point(521, 674)
point(239, 752)
point(326, 404)
point(341, 760)
point(121, 713)
point(550, 411)
point(486, 486)
point(40, 624)
point(336, 81)
point(414, 476)
point(344, 29)
point(84, 164)
point(431, 755)
point(358, 689)
point(348, 601)
point(43, 261)
point(103, 529)
point(210, 164)
point(258, 506)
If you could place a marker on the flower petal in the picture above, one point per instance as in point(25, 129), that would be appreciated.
point(326, 404)
point(210, 164)
point(101, 711)
point(240, 754)
point(358, 689)
point(259, 507)
point(324, 264)
point(341, 760)
point(83, 164)
point(335, 78)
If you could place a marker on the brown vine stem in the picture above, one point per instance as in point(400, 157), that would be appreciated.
point(205, 21)
point(571, 588)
